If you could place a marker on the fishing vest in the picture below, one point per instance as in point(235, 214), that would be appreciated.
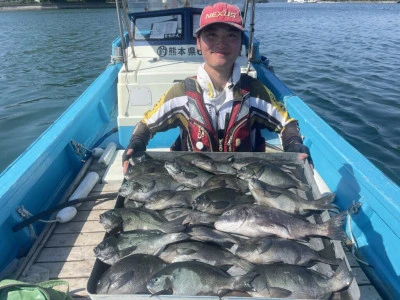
point(201, 135)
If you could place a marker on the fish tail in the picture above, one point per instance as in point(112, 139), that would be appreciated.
point(334, 227)
point(326, 254)
point(325, 202)
point(303, 186)
point(243, 282)
point(342, 278)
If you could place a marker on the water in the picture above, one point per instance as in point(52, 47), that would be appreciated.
point(341, 59)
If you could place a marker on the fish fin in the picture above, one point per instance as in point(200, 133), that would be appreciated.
point(174, 225)
point(326, 199)
point(190, 175)
point(326, 254)
point(264, 245)
point(185, 251)
point(121, 280)
point(159, 250)
point(243, 282)
point(225, 267)
point(334, 227)
point(127, 251)
point(304, 186)
point(343, 277)
point(150, 184)
point(220, 204)
point(277, 292)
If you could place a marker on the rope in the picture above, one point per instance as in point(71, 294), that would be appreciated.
point(353, 209)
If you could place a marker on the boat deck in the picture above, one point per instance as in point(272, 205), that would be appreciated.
point(66, 250)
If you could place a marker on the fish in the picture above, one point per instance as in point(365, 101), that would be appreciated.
point(227, 181)
point(115, 247)
point(142, 187)
point(187, 174)
point(286, 200)
point(261, 221)
point(217, 201)
point(190, 156)
point(145, 167)
point(240, 162)
point(130, 275)
point(268, 250)
point(190, 217)
point(194, 278)
point(272, 175)
point(167, 199)
point(139, 156)
point(208, 253)
point(291, 281)
point(210, 235)
point(215, 167)
point(138, 218)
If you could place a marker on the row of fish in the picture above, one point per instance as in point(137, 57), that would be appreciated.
point(197, 226)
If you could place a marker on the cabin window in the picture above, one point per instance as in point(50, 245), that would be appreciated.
point(196, 23)
point(159, 28)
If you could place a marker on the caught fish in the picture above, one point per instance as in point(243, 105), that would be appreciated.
point(167, 199)
point(145, 167)
point(134, 219)
point(190, 156)
point(187, 174)
point(142, 187)
point(285, 200)
point(210, 235)
point(152, 242)
point(140, 156)
point(219, 200)
point(207, 253)
point(227, 181)
point(190, 216)
point(275, 250)
point(129, 275)
point(238, 163)
point(215, 167)
point(193, 278)
point(290, 281)
point(260, 221)
point(272, 175)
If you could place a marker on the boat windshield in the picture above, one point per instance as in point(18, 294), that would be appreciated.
point(152, 5)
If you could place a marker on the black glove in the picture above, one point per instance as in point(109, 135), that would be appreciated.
point(138, 142)
point(297, 146)
point(137, 145)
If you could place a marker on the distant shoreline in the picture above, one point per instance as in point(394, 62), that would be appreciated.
point(38, 6)
point(56, 6)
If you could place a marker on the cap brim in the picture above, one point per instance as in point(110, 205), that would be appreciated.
point(228, 23)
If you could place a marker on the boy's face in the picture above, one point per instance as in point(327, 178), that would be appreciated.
point(220, 45)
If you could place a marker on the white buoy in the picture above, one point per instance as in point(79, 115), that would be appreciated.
point(85, 187)
point(66, 214)
point(108, 153)
point(97, 152)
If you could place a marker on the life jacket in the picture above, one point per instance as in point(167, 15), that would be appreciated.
point(201, 135)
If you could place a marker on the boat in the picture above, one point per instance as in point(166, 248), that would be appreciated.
point(146, 59)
